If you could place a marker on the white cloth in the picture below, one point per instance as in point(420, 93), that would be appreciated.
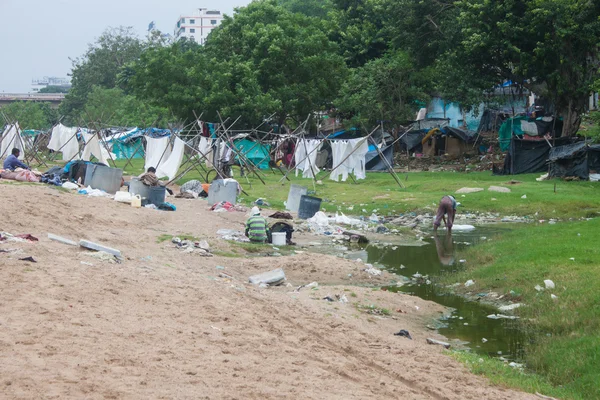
point(93, 148)
point(154, 151)
point(354, 152)
point(306, 157)
point(421, 114)
point(205, 148)
point(11, 138)
point(170, 166)
point(64, 139)
point(529, 127)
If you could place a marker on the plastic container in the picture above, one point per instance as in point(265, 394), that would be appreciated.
point(308, 206)
point(149, 194)
point(222, 190)
point(278, 238)
point(136, 201)
point(103, 178)
point(123, 197)
point(293, 200)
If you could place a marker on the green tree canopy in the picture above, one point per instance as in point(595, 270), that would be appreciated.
point(267, 56)
point(54, 89)
point(30, 115)
point(99, 66)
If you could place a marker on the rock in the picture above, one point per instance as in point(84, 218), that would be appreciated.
point(553, 297)
point(469, 190)
point(499, 189)
point(549, 284)
point(438, 342)
point(470, 282)
point(203, 244)
point(509, 307)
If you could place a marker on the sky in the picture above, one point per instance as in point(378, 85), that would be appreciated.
point(37, 37)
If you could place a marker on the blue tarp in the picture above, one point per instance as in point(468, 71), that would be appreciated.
point(256, 153)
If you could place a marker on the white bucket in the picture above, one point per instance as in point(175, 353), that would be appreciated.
point(278, 238)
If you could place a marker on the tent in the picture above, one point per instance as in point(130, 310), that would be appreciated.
point(526, 127)
point(374, 161)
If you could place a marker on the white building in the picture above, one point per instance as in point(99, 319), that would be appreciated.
point(37, 84)
point(197, 25)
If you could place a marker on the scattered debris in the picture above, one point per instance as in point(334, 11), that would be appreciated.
point(469, 190)
point(438, 342)
point(403, 333)
point(98, 247)
point(372, 270)
point(538, 288)
point(554, 297)
point(524, 196)
point(328, 298)
point(30, 259)
point(273, 278)
point(483, 340)
point(470, 282)
point(499, 189)
point(501, 316)
point(104, 256)
point(549, 284)
point(509, 307)
point(61, 239)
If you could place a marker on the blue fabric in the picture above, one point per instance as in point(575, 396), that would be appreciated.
point(51, 179)
point(167, 207)
point(13, 162)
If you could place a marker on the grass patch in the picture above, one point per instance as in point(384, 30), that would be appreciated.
point(565, 348)
point(166, 237)
point(373, 310)
point(423, 192)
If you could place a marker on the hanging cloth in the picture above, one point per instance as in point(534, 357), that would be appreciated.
point(357, 161)
point(11, 138)
point(93, 148)
point(170, 166)
point(205, 148)
point(339, 151)
point(306, 156)
point(155, 148)
point(64, 139)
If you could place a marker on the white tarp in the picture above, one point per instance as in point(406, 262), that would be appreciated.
point(354, 152)
point(93, 148)
point(170, 166)
point(157, 150)
point(11, 138)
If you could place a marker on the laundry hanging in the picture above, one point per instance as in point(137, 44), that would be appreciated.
point(306, 157)
point(93, 148)
point(352, 153)
point(11, 138)
point(157, 151)
point(205, 148)
point(64, 139)
point(170, 166)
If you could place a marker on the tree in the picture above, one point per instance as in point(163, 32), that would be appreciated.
point(173, 77)
point(310, 8)
point(54, 89)
point(549, 46)
point(388, 88)
point(288, 64)
point(30, 115)
point(115, 107)
point(100, 65)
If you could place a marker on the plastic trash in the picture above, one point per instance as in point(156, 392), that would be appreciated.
point(273, 278)
point(470, 282)
point(70, 186)
point(403, 333)
point(524, 196)
point(549, 284)
point(136, 201)
point(553, 296)
point(509, 307)
point(123, 197)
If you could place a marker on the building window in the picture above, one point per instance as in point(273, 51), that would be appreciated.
point(192, 21)
point(213, 21)
point(183, 29)
point(192, 30)
point(183, 20)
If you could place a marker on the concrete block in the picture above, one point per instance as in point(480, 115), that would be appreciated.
point(61, 239)
point(274, 278)
point(99, 247)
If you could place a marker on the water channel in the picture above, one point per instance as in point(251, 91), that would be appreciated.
point(468, 323)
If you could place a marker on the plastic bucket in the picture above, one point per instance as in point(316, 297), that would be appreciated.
point(293, 200)
point(156, 195)
point(278, 238)
point(308, 206)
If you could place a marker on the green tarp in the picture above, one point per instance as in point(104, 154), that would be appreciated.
point(127, 150)
point(510, 126)
point(256, 153)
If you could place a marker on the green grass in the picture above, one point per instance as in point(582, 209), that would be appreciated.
point(566, 331)
point(164, 237)
point(423, 191)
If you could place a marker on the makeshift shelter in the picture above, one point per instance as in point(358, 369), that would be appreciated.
point(254, 151)
point(527, 156)
point(574, 160)
point(527, 128)
point(11, 138)
point(126, 144)
point(447, 141)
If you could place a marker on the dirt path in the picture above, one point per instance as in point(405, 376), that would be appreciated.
point(164, 325)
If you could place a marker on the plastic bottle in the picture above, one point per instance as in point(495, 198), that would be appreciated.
point(136, 201)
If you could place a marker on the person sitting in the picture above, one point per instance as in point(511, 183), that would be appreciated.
point(149, 178)
point(12, 162)
point(256, 227)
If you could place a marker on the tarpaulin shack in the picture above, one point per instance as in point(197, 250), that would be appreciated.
point(576, 160)
point(527, 128)
point(447, 141)
point(528, 156)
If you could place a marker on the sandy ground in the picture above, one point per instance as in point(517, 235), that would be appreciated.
point(164, 325)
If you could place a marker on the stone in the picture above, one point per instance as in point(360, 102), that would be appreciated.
point(61, 239)
point(438, 342)
point(98, 247)
point(469, 190)
point(499, 189)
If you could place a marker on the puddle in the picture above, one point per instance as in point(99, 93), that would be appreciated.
point(468, 323)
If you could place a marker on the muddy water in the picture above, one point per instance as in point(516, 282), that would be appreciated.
point(468, 323)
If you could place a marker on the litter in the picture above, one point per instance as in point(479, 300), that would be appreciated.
point(438, 342)
point(549, 284)
point(328, 298)
point(553, 296)
point(30, 259)
point(123, 197)
point(61, 240)
point(403, 333)
point(103, 256)
point(70, 186)
point(509, 307)
point(462, 228)
point(372, 270)
point(273, 278)
point(469, 190)
point(483, 340)
point(524, 196)
point(501, 316)
point(499, 189)
point(99, 247)
point(470, 282)
point(538, 288)
point(543, 177)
